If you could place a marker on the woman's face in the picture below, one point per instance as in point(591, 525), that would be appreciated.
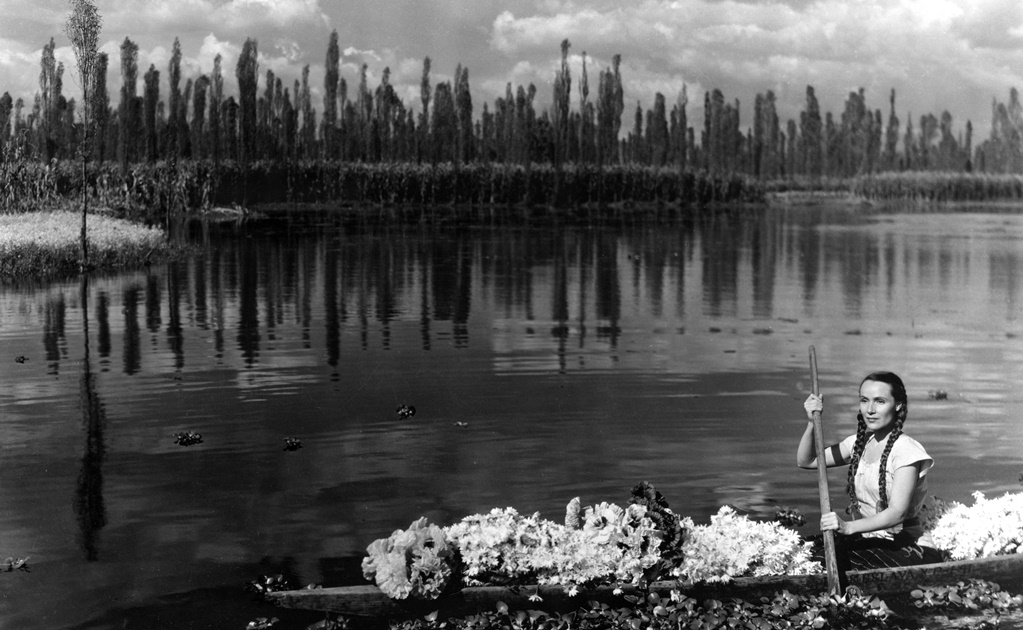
point(877, 405)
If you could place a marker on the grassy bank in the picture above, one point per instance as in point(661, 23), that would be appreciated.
point(46, 244)
point(939, 187)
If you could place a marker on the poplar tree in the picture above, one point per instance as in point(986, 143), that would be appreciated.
point(6, 110)
point(444, 123)
point(216, 97)
point(246, 73)
point(811, 135)
point(657, 132)
point(681, 119)
point(82, 28)
point(610, 106)
point(150, 99)
point(100, 106)
point(174, 102)
point(127, 125)
point(308, 116)
point(49, 94)
point(463, 110)
point(424, 116)
point(330, 82)
point(891, 136)
point(182, 142)
point(585, 117)
point(560, 108)
point(198, 131)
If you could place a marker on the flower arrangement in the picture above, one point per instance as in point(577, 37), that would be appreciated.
point(505, 547)
point(601, 543)
point(610, 542)
point(604, 541)
point(990, 527)
point(417, 562)
point(732, 546)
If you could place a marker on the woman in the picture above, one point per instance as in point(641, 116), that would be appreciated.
point(886, 484)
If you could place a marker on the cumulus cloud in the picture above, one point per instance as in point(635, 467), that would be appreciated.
point(228, 17)
point(938, 54)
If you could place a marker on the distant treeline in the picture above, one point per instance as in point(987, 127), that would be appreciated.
point(274, 123)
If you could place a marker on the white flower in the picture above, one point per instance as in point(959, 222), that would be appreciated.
point(990, 527)
point(733, 546)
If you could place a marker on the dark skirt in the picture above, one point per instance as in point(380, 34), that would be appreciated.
point(855, 553)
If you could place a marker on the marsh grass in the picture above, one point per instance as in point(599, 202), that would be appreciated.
point(191, 187)
point(45, 244)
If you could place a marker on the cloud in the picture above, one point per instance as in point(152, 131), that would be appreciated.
point(235, 18)
point(938, 54)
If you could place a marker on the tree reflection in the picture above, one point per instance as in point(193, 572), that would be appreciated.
point(132, 353)
point(88, 504)
point(53, 331)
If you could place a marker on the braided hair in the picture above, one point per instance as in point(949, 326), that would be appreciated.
point(901, 411)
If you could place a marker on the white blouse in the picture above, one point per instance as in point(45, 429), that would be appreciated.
point(905, 452)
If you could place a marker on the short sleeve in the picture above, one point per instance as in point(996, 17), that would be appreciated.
point(847, 444)
point(907, 451)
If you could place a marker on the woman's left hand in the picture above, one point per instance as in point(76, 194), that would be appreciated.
point(832, 522)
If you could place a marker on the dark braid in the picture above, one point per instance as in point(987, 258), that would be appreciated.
point(882, 483)
point(850, 484)
point(901, 400)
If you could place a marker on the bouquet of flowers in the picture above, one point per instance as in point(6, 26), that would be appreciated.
point(416, 562)
point(505, 547)
point(603, 541)
point(990, 527)
point(732, 546)
point(607, 541)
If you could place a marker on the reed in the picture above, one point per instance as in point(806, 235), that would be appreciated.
point(152, 191)
point(934, 186)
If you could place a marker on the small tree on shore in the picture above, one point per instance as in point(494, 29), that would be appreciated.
point(82, 28)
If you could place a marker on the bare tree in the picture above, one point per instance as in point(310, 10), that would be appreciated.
point(82, 28)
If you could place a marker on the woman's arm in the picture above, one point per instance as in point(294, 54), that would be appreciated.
point(806, 455)
point(898, 505)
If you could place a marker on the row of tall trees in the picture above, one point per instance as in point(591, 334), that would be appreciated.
point(269, 120)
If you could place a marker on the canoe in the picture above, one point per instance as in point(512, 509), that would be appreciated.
point(369, 601)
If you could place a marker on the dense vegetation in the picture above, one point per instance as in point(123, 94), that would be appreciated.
point(363, 144)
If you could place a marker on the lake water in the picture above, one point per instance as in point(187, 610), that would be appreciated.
point(544, 361)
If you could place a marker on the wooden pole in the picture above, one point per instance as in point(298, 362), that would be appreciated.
point(830, 559)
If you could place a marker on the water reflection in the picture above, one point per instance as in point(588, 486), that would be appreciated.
point(89, 507)
point(775, 265)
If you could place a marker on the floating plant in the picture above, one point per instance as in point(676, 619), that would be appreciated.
point(14, 564)
point(188, 438)
point(268, 584)
point(406, 411)
point(292, 444)
point(789, 517)
point(970, 595)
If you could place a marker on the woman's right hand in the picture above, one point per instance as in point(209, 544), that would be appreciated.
point(812, 404)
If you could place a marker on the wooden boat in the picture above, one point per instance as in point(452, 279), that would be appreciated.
point(369, 601)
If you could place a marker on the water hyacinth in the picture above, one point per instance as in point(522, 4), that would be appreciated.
point(734, 546)
point(416, 562)
point(990, 527)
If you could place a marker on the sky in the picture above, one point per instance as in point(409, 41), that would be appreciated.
point(954, 55)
